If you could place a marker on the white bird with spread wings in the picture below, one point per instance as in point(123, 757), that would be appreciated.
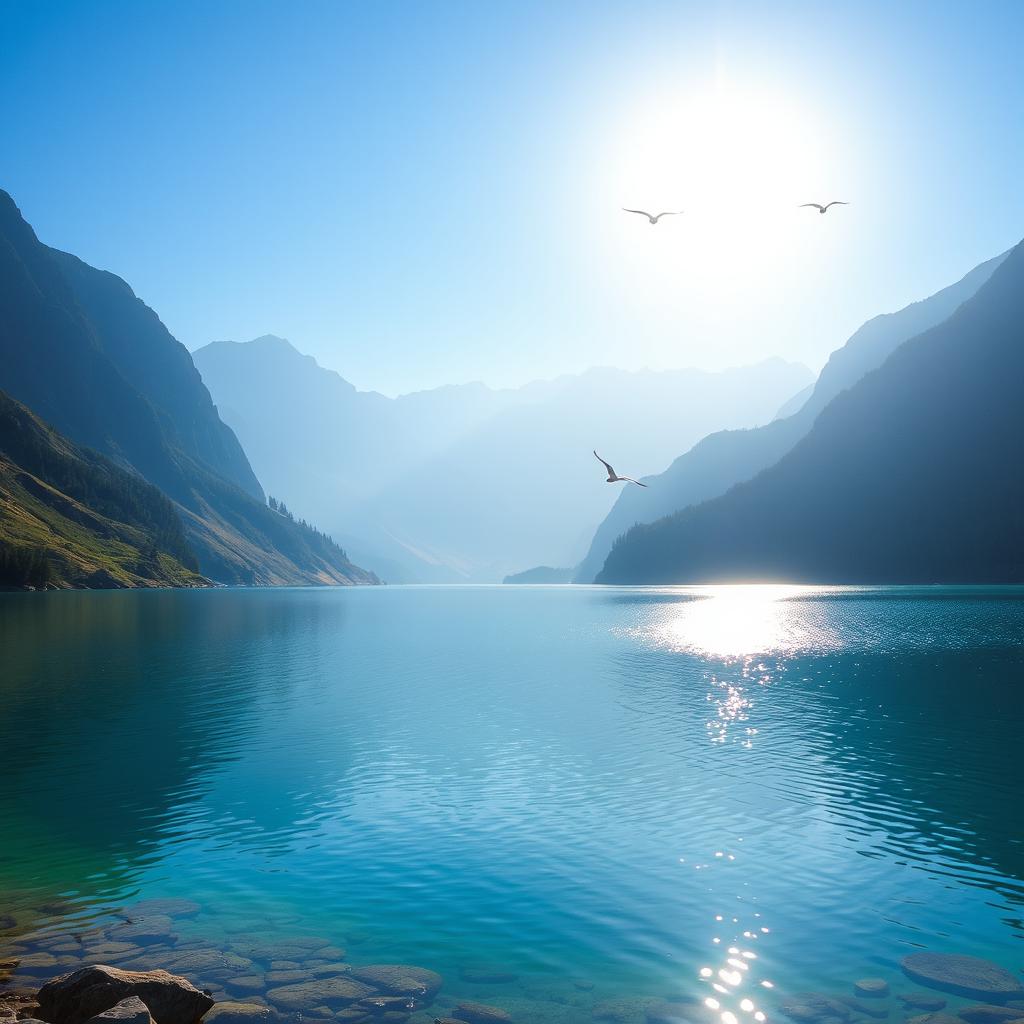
point(822, 209)
point(654, 217)
point(613, 477)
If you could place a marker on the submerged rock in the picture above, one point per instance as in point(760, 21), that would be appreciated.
point(129, 1011)
point(480, 1013)
point(962, 975)
point(330, 992)
point(869, 1007)
point(31, 960)
point(990, 1014)
point(208, 964)
point(932, 1018)
point(247, 983)
point(923, 1001)
point(871, 988)
point(238, 1013)
point(400, 979)
point(143, 928)
point(814, 1006)
point(76, 998)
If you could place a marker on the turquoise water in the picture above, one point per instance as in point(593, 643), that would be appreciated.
point(617, 786)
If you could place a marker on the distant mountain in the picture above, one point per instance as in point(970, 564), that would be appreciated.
point(71, 518)
point(81, 351)
point(466, 483)
point(726, 458)
point(913, 475)
point(540, 574)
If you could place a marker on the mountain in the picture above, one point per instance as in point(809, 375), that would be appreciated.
point(726, 458)
point(467, 483)
point(913, 475)
point(85, 354)
point(540, 574)
point(71, 518)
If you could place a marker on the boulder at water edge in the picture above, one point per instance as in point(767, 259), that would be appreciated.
point(962, 975)
point(129, 1011)
point(77, 997)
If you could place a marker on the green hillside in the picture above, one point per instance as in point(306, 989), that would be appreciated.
point(71, 518)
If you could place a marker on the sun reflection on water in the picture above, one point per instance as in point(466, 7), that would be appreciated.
point(741, 621)
point(734, 972)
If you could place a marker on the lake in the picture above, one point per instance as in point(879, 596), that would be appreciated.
point(596, 796)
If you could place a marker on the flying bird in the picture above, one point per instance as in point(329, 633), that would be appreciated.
point(613, 477)
point(654, 217)
point(822, 209)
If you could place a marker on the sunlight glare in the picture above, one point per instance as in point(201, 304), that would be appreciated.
point(738, 160)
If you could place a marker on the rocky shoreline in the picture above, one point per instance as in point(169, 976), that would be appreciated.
point(141, 969)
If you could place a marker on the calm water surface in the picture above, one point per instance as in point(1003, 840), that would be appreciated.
point(625, 786)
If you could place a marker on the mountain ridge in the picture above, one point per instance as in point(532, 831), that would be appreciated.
point(912, 475)
point(84, 353)
point(725, 458)
point(467, 483)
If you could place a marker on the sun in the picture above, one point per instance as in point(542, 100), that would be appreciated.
point(738, 162)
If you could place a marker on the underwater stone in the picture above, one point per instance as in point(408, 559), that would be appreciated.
point(37, 960)
point(75, 998)
point(962, 975)
point(870, 1009)
point(152, 926)
point(923, 1001)
point(932, 1018)
point(871, 988)
point(238, 1013)
point(400, 979)
point(990, 1014)
point(814, 1006)
point(331, 992)
point(480, 1013)
point(247, 983)
point(284, 977)
point(329, 970)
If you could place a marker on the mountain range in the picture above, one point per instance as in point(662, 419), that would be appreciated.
point(723, 459)
point(85, 355)
point(467, 483)
point(911, 475)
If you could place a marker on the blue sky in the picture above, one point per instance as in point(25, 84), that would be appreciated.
point(419, 193)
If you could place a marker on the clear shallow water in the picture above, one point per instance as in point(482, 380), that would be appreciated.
point(615, 785)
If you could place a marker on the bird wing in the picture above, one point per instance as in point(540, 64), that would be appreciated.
point(611, 472)
point(643, 213)
point(668, 213)
point(632, 481)
point(817, 206)
point(837, 202)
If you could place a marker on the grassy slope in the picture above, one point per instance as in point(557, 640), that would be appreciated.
point(97, 525)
